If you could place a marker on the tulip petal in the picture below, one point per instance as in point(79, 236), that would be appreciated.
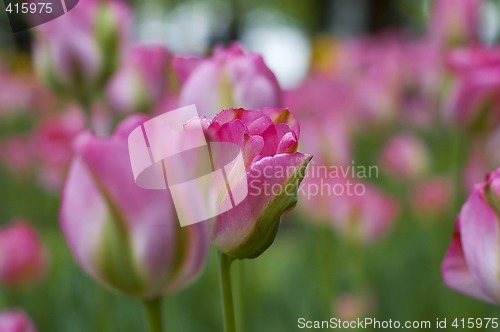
point(456, 273)
point(283, 116)
point(250, 228)
point(288, 143)
point(271, 141)
point(190, 258)
point(252, 147)
point(480, 241)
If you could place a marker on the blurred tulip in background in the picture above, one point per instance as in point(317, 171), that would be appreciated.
point(23, 259)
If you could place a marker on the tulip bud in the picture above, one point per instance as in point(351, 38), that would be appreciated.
point(432, 197)
point(268, 139)
point(15, 321)
point(321, 104)
point(141, 81)
point(363, 217)
point(471, 264)
point(22, 257)
point(53, 139)
point(77, 53)
point(473, 100)
point(405, 156)
point(350, 307)
point(231, 78)
point(126, 237)
point(16, 154)
point(454, 22)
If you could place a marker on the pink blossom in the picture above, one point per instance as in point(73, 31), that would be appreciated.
point(125, 237)
point(141, 81)
point(405, 156)
point(233, 77)
point(15, 321)
point(268, 138)
point(22, 257)
point(454, 22)
point(471, 264)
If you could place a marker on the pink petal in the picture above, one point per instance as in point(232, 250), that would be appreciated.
point(480, 241)
point(250, 227)
point(456, 273)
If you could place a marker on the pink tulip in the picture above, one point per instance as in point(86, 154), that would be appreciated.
point(123, 236)
point(184, 66)
point(375, 71)
point(322, 106)
point(405, 156)
point(454, 22)
point(20, 93)
point(476, 165)
point(357, 210)
point(363, 218)
point(141, 80)
point(231, 78)
point(53, 140)
point(473, 98)
point(15, 321)
point(432, 196)
point(17, 154)
point(471, 265)
point(77, 52)
point(22, 258)
point(353, 306)
point(268, 138)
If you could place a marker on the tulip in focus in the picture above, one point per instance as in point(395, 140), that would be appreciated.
point(268, 138)
point(77, 53)
point(471, 265)
point(233, 77)
point(141, 80)
point(125, 237)
point(405, 156)
point(15, 321)
point(22, 257)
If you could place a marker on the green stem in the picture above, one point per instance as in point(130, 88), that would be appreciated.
point(224, 263)
point(153, 312)
point(86, 104)
point(238, 279)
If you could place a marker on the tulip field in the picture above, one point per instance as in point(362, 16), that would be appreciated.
point(250, 166)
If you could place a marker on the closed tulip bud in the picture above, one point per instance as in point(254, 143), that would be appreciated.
point(432, 197)
point(126, 237)
point(22, 257)
point(78, 52)
point(231, 78)
point(454, 22)
point(141, 81)
point(15, 321)
point(268, 138)
point(405, 156)
point(473, 100)
point(363, 217)
point(471, 265)
point(53, 139)
point(349, 307)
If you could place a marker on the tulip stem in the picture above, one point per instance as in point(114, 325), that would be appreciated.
point(153, 312)
point(224, 263)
